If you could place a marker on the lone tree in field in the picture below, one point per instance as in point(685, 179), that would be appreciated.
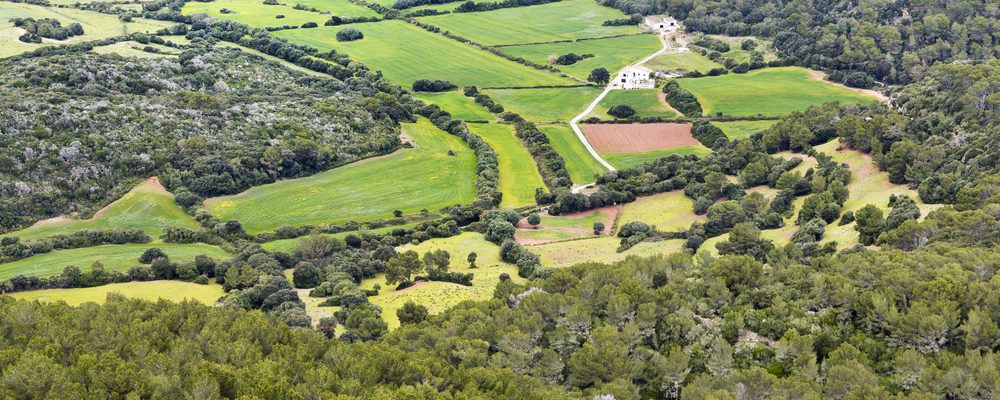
point(472, 259)
point(534, 220)
point(436, 262)
point(401, 269)
point(600, 75)
point(349, 34)
point(598, 227)
point(621, 111)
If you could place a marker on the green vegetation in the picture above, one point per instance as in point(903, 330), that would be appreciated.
point(645, 102)
point(736, 130)
point(406, 53)
point(545, 104)
point(96, 25)
point(456, 103)
point(612, 53)
point(629, 160)
point(599, 249)
point(688, 61)
point(113, 257)
point(150, 290)
point(552, 227)
point(519, 176)
point(424, 177)
point(567, 19)
point(670, 211)
point(254, 13)
point(769, 91)
point(581, 165)
point(289, 245)
point(148, 207)
point(135, 49)
point(340, 8)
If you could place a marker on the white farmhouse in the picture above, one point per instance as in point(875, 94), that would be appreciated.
point(658, 23)
point(634, 77)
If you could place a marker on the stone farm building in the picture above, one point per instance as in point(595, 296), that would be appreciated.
point(660, 23)
point(635, 77)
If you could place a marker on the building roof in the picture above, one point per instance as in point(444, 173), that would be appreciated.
point(654, 19)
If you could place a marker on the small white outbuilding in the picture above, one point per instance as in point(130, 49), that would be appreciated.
point(660, 23)
point(635, 77)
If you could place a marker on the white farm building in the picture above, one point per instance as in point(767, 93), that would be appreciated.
point(661, 24)
point(634, 77)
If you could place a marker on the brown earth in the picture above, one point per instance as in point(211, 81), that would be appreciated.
point(635, 138)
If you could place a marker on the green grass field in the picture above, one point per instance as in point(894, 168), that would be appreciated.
point(740, 55)
point(670, 211)
point(456, 103)
point(581, 165)
point(599, 249)
point(96, 26)
point(409, 180)
point(153, 290)
point(769, 91)
point(254, 13)
point(405, 53)
point(629, 160)
point(289, 245)
point(135, 49)
point(688, 61)
point(148, 206)
point(737, 130)
point(567, 19)
point(555, 227)
point(611, 53)
point(114, 257)
point(342, 8)
point(545, 104)
point(439, 296)
point(519, 176)
point(646, 103)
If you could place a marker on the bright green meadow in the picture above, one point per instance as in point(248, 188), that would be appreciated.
point(519, 176)
point(545, 104)
point(114, 257)
point(670, 211)
point(153, 290)
point(254, 13)
point(581, 165)
point(629, 160)
point(456, 103)
point(342, 8)
point(687, 61)
point(611, 53)
point(646, 103)
point(737, 130)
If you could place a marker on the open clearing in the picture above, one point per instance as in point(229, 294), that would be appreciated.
point(646, 102)
point(254, 13)
point(600, 249)
point(545, 104)
point(682, 62)
point(410, 180)
point(519, 176)
point(115, 257)
point(405, 53)
point(289, 245)
point(670, 211)
point(769, 91)
point(582, 166)
point(765, 47)
point(439, 296)
point(341, 8)
point(96, 26)
point(153, 290)
point(563, 20)
point(612, 53)
point(634, 138)
point(568, 226)
point(629, 160)
point(148, 206)
point(737, 130)
point(135, 49)
point(456, 103)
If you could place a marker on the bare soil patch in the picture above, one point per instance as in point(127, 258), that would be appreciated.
point(634, 138)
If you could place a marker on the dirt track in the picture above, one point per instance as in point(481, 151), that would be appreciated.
point(634, 138)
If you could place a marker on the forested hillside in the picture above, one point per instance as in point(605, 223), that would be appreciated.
point(80, 128)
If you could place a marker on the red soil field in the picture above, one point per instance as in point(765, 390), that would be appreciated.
point(634, 138)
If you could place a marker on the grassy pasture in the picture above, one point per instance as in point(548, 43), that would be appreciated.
point(134, 49)
point(96, 26)
point(599, 249)
point(769, 91)
point(736, 130)
point(629, 160)
point(153, 290)
point(254, 13)
point(409, 180)
point(342, 8)
point(688, 61)
point(646, 103)
point(670, 211)
point(519, 176)
point(581, 165)
point(405, 53)
point(558, 227)
point(114, 257)
point(439, 296)
point(611, 53)
point(148, 206)
point(740, 55)
point(289, 245)
point(567, 19)
point(545, 104)
point(458, 105)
